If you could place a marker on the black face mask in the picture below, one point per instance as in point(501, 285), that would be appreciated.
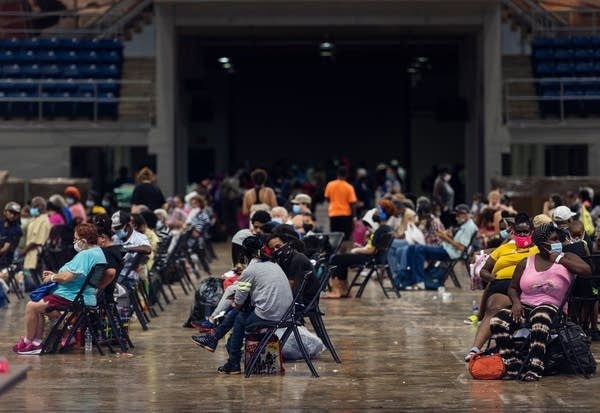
point(283, 254)
point(307, 227)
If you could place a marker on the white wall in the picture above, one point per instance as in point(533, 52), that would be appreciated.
point(513, 42)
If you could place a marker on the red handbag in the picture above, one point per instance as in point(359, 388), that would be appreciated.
point(487, 367)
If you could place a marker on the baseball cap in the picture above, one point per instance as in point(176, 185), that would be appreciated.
point(13, 207)
point(562, 213)
point(368, 218)
point(120, 219)
point(462, 209)
point(301, 199)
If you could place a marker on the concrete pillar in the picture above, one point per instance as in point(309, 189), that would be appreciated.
point(493, 138)
point(162, 141)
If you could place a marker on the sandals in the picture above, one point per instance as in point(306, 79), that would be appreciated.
point(471, 353)
point(530, 377)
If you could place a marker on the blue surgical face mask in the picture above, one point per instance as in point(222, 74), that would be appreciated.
point(556, 247)
point(504, 234)
point(121, 233)
point(34, 212)
point(105, 204)
point(296, 209)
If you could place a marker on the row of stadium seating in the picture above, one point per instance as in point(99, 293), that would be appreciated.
point(57, 43)
point(54, 71)
point(79, 76)
point(60, 56)
point(575, 61)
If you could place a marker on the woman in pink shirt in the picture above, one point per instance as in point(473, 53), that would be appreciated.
point(538, 288)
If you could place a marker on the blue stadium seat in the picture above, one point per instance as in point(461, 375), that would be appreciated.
point(563, 42)
point(71, 71)
point(7, 56)
point(545, 69)
point(13, 70)
point(110, 44)
point(89, 56)
point(50, 71)
point(67, 57)
point(584, 53)
point(584, 68)
point(49, 43)
point(47, 56)
point(108, 71)
point(12, 43)
point(31, 43)
point(550, 107)
point(89, 71)
point(543, 53)
point(582, 41)
point(107, 106)
point(70, 43)
point(26, 56)
point(84, 109)
point(564, 69)
point(109, 86)
point(564, 54)
point(32, 71)
point(110, 56)
point(543, 42)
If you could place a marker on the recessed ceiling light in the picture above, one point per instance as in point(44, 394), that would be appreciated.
point(223, 60)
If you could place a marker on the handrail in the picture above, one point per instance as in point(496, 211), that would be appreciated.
point(560, 84)
point(577, 20)
point(120, 24)
point(42, 97)
point(534, 16)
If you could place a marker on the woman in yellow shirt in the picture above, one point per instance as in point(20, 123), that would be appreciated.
point(498, 271)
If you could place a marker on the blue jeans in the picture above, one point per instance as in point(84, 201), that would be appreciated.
point(394, 254)
point(419, 254)
point(234, 344)
point(226, 324)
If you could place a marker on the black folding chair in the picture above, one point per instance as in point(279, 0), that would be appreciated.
point(290, 321)
point(451, 263)
point(585, 294)
point(315, 315)
point(377, 266)
point(77, 315)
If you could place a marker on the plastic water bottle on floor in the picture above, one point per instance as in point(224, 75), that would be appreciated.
point(474, 308)
point(88, 340)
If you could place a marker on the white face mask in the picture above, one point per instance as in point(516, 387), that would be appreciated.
point(78, 245)
point(70, 200)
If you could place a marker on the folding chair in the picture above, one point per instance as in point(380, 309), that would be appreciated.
point(109, 310)
point(585, 293)
point(77, 315)
point(315, 315)
point(378, 266)
point(290, 321)
point(451, 263)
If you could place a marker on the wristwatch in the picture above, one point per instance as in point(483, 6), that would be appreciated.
point(559, 257)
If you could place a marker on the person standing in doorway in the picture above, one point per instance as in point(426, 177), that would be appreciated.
point(342, 203)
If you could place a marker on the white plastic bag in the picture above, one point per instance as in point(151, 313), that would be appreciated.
point(291, 350)
point(413, 235)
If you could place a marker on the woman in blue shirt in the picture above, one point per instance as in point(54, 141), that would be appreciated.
point(70, 278)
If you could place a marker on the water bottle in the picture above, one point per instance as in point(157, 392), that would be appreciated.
point(88, 340)
point(474, 307)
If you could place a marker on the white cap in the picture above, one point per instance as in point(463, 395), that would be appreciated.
point(562, 213)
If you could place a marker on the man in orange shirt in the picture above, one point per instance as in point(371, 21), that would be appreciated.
point(342, 202)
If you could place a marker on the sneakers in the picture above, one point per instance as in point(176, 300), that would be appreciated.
point(207, 342)
point(20, 345)
point(31, 349)
point(204, 326)
point(472, 319)
point(416, 287)
point(471, 353)
point(229, 369)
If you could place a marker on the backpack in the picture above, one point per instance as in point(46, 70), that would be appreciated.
point(206, 298)
point(577, 345)
point(3, 297)
point(433, 276)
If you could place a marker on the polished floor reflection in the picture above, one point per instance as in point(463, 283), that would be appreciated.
point(398, 354)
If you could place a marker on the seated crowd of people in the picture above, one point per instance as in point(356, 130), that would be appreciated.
point(59, 240)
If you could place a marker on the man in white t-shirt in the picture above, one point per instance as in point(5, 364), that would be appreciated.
point(133, 243)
